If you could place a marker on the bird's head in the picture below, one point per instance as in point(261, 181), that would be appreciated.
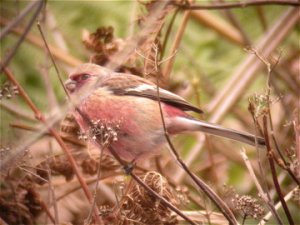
point(85, 78)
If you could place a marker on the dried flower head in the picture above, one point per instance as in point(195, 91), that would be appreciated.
point(101, 132)
point(296, 195)
point(8, 90)
point(259, 104)
point(57, 165)
point(248, 206)
point(138, 206)
point(90, 165)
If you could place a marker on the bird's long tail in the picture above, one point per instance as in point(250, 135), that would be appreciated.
point(197, 125)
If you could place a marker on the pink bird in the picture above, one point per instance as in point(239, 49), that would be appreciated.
point(128, 105)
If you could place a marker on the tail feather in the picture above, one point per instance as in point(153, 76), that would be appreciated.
point(197, 125)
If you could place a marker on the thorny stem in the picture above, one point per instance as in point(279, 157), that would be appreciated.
point(273, 171)
point(21, 39)
point(42, 119)
point(230, 5)
point(133, 175)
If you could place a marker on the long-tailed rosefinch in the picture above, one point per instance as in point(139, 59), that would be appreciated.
point(131, 103)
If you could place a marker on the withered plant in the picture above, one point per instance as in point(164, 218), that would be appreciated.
point(221, 61)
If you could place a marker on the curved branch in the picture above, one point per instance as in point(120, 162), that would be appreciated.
point(231, 5)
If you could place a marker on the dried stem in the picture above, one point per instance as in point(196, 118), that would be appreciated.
point(178, 37)
point(128, 169)
point(273, 171)
point(15, 110)
point(37, 42)
point(41, 118)
point(246, 72)
point(33, 129)
point(244, 4)
point(270, 68)
point(13, 51)
point(265, 196)
point(277, 206)
point(18, 19)
point(236, 24)
point(202, 185)
point(52, 191)
point(219, 25)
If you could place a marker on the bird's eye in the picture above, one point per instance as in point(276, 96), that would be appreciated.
point(85, 76)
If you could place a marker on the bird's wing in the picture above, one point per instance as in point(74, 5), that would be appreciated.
point(121, 84)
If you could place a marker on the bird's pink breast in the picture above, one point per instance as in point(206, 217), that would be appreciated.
point(140, 128)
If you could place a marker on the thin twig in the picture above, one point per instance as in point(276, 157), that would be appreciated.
point(52, 191)
point(33, 129)
point(128, 170)
point(205, 188)
point(277, 206)
point(15, 110)
point(52, 58)
point(270, 69)
point(96, 186)
point(246, 72)
point(39, 116)
point(168, 32)
point(252, 173)
point(13, 51)
point(236, 24)
point(273, 171)
point(178, 37)
point(18, 19)
point(243, 4)
point(261, 170)
point(37, 42)
point(265, 196)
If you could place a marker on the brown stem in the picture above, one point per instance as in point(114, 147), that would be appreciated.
point(21, 39)
point(39, 116)
point(244, 4)
point(168, 32)
point(15, 110)
point(267, 200)
point(45, 208)
point(273, 171)
point(236, 24)
point(128, 169)
point(18, 19)
point(178, 37)
point(30, 128)
point(37, 42)
point(220, 204)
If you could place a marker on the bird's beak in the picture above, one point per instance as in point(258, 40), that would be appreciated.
point(70, 85)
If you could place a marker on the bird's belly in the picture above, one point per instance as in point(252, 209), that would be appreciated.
point(136, 121)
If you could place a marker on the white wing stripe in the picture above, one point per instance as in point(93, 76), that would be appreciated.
point(144, 87)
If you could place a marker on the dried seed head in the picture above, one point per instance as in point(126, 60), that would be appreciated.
point(138, 205)
point(248, 206)
point(8, 90)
